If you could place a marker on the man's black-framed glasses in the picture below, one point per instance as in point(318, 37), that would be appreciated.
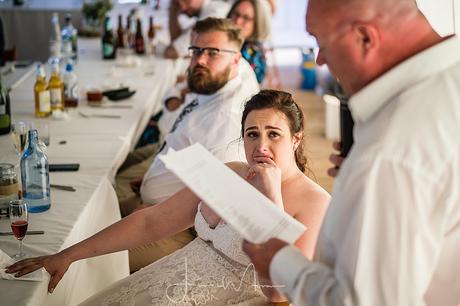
point(209, 52)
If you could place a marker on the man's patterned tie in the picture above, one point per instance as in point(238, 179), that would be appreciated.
point(187, 110)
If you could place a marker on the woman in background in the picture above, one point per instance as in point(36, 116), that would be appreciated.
point(254, 19)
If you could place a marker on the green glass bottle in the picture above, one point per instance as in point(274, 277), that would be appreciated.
point(5, 111)
point(109, 44)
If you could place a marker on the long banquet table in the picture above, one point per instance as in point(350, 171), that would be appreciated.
point(99, 145)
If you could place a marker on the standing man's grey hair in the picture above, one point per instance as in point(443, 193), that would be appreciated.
point(370, 36)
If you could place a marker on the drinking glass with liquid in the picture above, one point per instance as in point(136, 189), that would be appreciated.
point(19, 221)
point(19, 136)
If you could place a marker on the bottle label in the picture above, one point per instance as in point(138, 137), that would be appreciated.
point(74, 92)
point(2, 109)
point(107, 49)
point(56, 97)
point(9, 190)
point(44, 101)
point(71, 90)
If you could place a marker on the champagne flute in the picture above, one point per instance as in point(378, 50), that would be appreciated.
point(19, 222)
point(19, 135)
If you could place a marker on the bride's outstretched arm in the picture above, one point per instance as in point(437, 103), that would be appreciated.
point(147, 225)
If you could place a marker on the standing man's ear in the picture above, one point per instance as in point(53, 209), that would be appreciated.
point(367, 36)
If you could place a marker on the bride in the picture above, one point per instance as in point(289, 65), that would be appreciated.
point(212, 269)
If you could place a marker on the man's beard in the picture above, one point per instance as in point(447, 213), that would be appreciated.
point(202, 82)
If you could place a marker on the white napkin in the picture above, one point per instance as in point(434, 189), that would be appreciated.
point(5, 261)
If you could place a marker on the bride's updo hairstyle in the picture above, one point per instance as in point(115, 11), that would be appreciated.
point(282, 102)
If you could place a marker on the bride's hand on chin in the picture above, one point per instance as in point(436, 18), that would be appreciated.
point(266, 177)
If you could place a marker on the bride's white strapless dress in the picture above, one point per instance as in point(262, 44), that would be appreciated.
point(210, 270)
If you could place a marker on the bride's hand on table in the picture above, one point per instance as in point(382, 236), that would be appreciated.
point(56, 265)
point(266, 177)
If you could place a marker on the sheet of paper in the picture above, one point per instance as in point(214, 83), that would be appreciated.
point(238, 203)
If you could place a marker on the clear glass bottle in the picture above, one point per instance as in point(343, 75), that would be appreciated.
point(56, 88)
point(70, 86)
point(70, 36)
point(128, 34)
point(35, 175)
point(5, 111)
point(55, 39)
point(42, 94)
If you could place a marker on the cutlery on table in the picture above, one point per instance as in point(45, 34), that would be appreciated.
point(28, 233)
point(63, 187)
point(99, 116)
point(110, 106)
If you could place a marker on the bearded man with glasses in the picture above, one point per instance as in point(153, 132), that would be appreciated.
point(210, 114)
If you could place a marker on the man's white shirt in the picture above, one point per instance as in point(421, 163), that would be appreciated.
point(215, 123)
point(248, 78)
point(391, 235)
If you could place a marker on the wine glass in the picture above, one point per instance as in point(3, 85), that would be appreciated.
point(19, 135)
point(19, 222)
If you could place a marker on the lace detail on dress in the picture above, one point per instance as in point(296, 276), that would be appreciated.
point(223, 237)
point(194, 275)
point(197, 274)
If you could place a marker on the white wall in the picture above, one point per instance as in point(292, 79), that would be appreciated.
point(288, 24)
point(441, 13)
point(457, 16)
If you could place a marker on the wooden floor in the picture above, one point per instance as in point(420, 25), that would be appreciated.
point(317, 147)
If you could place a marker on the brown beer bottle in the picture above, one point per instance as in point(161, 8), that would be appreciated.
point(139, 44)
point(151, 32)
point(120, 33)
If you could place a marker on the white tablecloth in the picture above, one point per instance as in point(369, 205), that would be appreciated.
point(72, 217)
point(100, 146)
point(150, 80)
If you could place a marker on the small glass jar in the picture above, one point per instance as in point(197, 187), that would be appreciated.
point(9, 187)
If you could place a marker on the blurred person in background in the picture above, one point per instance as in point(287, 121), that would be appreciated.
point(189, 11)
point(254, 19)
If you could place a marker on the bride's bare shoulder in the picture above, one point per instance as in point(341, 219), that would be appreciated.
point(239, 167)
point(314, 193)
point(306, 192)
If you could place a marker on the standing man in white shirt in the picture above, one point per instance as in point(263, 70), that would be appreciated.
point(180, 32)
point(392, 232)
